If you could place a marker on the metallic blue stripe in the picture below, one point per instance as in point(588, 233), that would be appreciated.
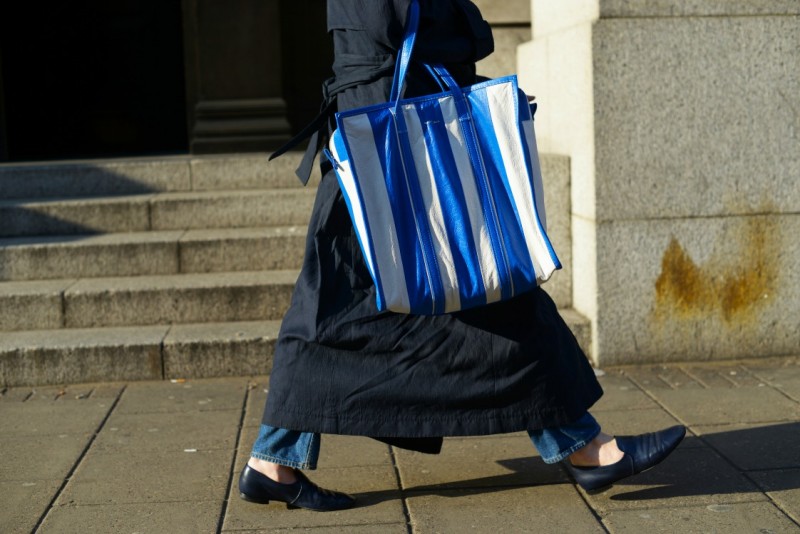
point(517, 254)
point(451, 197)
point(431, 267)
point(491, 217)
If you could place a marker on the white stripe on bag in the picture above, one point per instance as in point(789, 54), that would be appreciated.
point(501, 101)
point(433, 207)
point(488, 264)
point(379, 210)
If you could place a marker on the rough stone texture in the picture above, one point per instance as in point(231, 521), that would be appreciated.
point(127, 254)
point(94, 178)
point(537, 509)
point(696, 8)
point(689, 289)
point(79, 355)
point(174, 476)
point(502, 62)
point(739, 517)
point(580, 326)
point(24, 503)
point(505, 11)
point(711, 133)
point(177, 517)
point(189, 298)
point(690, 476)
point(232, 209)
point(242, 249)
point(220, 349)
point(756, 447)
point(782, 487)
point(245, 171)
point(182, 396)
point(70, 216)
point(708, 130)
point(32, 304)
point(187, 437)
point(556, 182)
point(717, 406)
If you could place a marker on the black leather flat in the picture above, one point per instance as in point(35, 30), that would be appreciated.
point(258, 488)
point(641, 453)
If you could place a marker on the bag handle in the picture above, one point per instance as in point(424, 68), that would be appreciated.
point(404, 58)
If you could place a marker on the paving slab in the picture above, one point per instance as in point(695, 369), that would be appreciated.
point(220, 349)
point(185, 298)
point(133, 476)
point(379, 502)
point(783, 487)
point(476, 463)
point(737, 405)
point(24, 503)
point(242, 249)
point(782, 375)
point(119, 254)
point(756, 447)
point(621, 394)
point(537, 509)
point(690, 476)
point(21, 419)
point(182, 396)
point(660, 377)
point(170, 431)
point(375, 528)
point(740, 517)
point(173, 517)
point(41, 458)
point(258, 387)
point(35, 357)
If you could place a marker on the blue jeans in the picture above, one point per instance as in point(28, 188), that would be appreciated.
point(301, 449)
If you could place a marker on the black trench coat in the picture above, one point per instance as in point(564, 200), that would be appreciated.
point(340, 366)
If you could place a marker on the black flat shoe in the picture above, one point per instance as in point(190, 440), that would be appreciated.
point(640, 454)
point(258, 488)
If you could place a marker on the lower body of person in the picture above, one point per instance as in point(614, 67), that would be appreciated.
point(342, 367)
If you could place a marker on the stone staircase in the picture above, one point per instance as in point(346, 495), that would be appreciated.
point(175, 267)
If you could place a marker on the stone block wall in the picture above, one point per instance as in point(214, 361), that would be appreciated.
point(682, 122)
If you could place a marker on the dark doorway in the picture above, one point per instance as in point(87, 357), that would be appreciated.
point(92, 78)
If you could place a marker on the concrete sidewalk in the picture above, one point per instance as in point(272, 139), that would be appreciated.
point(164, 457)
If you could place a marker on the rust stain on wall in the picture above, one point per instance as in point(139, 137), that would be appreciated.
point(734, 287)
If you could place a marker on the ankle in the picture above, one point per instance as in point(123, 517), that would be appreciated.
point(602, 450)
point(279, 473)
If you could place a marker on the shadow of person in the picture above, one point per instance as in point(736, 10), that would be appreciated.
point(743, 460)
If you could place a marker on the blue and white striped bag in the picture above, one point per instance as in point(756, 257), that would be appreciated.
point(445, 192)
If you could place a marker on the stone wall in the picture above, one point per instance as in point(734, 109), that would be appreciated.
point(682, 122)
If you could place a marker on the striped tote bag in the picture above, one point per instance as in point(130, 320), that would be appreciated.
point(445, 192)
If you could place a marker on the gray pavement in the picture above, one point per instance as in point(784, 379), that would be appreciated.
point(164, 457)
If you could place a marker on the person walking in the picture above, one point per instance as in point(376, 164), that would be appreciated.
point(342, 367)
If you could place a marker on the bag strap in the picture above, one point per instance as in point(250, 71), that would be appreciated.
point(404, 58)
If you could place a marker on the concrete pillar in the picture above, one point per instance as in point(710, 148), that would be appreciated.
point(682, 122)
point(233, 75)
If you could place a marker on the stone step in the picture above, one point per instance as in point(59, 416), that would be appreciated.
point(151, 253)
point(162, 211)
point(145, 300)
point(135, 176)
point(64, 356)
point(40, 357)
